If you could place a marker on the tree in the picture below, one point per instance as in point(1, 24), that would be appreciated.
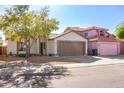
point(119, 31)
point(18, 23)
point(14, 23)
point(1, 41)
point(47, 25)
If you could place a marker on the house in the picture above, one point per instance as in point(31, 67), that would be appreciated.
point(74, 41)
point(100, 42)
point(65, 44)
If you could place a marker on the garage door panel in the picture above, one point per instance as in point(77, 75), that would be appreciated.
point(108, 49)
point(69, 48)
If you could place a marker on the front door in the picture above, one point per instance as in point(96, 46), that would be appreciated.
point(94, 52)
point(42, 48)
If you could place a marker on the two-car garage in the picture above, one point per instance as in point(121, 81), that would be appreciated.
point(71, 48)
point(68, 44)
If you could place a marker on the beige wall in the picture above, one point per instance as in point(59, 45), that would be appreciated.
point(12, 47)
point(67, 37)
point(51, 45)
point(35, 47)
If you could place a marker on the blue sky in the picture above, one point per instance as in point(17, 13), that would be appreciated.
point(83, 16)
point(86, 16)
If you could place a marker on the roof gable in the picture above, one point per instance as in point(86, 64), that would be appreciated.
point(65, 34)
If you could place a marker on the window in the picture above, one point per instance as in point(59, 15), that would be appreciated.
point(101, 33)
point(85, 34)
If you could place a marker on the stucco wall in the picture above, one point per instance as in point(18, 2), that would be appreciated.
point(91, 33)
point(34, 48)
point(12, 47)
point(50, 47)
point(92, 45)
point(67, 37)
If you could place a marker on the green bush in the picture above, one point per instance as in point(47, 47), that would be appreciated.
point(22, 55)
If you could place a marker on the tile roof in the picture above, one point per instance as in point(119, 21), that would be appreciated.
point(59, 35)
point(79, 30)
point(84, 29)
point(104, 39)
point(54, 35)
point(108, 39)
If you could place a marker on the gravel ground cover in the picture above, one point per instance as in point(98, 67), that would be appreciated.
point(30, 76)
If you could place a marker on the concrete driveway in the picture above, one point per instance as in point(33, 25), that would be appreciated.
point(70, 61)
point(93, 60)
point(108, 76)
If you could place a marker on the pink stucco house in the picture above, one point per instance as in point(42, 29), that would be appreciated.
point(100, 41)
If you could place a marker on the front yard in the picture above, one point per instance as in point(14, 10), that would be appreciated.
point(43, 72)
point(39, 60)
point(33, 76)
point(65, 59)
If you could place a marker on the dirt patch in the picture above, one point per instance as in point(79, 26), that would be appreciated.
point(33, 76)
point(41, 60)
point(52, 60)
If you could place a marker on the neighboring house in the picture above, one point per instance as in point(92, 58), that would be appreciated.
point(100, 42)
point(65, 44)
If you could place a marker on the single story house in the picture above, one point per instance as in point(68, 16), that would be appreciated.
point(65, 44)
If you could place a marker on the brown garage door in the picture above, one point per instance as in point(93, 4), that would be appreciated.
point(71, 48)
